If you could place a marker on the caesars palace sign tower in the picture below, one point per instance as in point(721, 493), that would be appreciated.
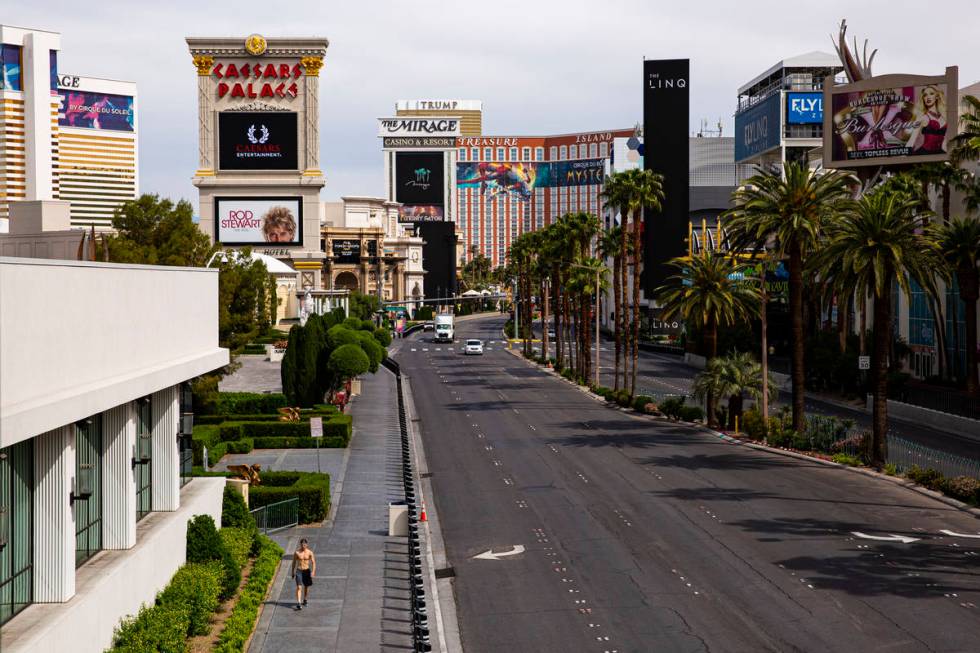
point(258, 175)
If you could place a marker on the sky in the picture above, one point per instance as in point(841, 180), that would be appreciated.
point(539, 66)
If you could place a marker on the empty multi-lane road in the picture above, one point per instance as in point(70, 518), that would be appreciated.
point(614, 532)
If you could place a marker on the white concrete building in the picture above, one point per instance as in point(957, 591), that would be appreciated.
point(63, 136)
point(93, 501)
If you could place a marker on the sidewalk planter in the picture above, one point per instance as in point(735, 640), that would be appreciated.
point(312, 490)
point(274, 354)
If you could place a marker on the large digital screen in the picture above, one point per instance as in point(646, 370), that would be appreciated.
point(90, 110)
point(804, 108)
point(10, 67)
point(346, 250)
point(257, 140)
point(420, 213)
point(891, 120)
point(258, 220)
point(757, 129)
point(519, 179)
point(419, 178)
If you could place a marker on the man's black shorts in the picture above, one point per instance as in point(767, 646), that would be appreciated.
point(303, 577)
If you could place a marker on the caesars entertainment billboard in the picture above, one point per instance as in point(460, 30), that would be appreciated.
point(258, 220)
point(666, 109)
point(890, 119)
point(257, 140)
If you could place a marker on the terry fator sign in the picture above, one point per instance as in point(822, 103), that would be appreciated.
point(415, 126)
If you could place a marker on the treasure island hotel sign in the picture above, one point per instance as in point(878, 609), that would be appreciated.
point(258, 173)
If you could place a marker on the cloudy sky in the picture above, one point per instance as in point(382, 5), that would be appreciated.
point(540, 66)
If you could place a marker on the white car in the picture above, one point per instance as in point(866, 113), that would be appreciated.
point(474, 347)
point(428, 326)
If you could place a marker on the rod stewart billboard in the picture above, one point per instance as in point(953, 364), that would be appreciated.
point(890, 119)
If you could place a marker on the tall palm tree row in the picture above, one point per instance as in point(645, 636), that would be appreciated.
point(631, 192)
point(878, 241)
point(556, 264)
point(784, 212)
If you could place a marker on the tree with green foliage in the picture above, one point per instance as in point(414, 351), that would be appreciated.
point(287, 370)
point(363, 306)
point(154, 231)
point(349, 361)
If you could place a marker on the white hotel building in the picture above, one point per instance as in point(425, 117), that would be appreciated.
point(94, 490)
point(63, 136)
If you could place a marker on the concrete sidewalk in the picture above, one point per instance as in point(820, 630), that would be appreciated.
point(359, 600)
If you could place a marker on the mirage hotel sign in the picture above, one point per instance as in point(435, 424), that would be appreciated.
point(413, 126)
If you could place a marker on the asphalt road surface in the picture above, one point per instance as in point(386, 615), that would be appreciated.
point(613, 532)
point(659, 374)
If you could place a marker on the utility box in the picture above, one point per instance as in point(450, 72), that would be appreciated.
point(397, 519)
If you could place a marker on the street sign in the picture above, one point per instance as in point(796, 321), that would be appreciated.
point(864, 362)
point(316, 427)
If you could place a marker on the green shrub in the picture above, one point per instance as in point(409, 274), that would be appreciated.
point(339, 426)
point(672, 407)
point(253, 349)
point(349, 361)
point(299, 443)
point(204, 390)
point(217, 452)
point(781, 437)
point(245, 403)
point(568, 374)
point(234, 512)
point(203, 436)
point(623, 398)
point(241, 622)
point(383, 336)
point(244, 445)
point(930, 478)
point(602, 391)
point(964, 488)
point(155, 628)
point(195, 587)
point(846, 459)
point(238, 542)
point(313, 491)
point(891, 469)
point(752, 424)
point(691, 414)
point(640, 402)
point(203, 542)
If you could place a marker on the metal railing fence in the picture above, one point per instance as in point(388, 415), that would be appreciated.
point(905, 454)
point(277, 516)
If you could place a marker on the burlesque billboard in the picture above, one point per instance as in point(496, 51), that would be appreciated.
point(519, 179)
point(92, 110)
point(892, 119)
point(258, 220)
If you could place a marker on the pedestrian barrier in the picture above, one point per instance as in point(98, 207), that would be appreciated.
point(905, 454)
point(277, 516)
point(420, 623)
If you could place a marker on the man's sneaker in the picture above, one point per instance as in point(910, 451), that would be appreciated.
point(297, 607)
point(304, 603)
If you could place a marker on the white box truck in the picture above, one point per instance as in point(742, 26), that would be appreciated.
point(444, 328)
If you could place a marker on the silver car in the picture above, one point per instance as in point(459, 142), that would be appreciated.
point(474, 347)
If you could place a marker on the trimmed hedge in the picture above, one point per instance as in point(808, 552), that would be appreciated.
point(238, 542)
point(204, 545)
point(313, 491)
point(299, 443)
point(320, 410)
point(336, 426)
point(242, 620)
point(196, 586)
point(249, 403)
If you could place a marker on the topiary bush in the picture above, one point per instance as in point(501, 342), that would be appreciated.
point(622, 397)
point(312, 490)
point(234, 512)
point(349, 361)
point(243, 403)
point(238, 542)
point(195, 587)
point(383, 336)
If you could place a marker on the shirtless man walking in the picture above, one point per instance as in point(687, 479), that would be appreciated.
point(303, 570)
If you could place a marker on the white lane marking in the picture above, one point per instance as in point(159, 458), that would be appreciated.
point(490, 555)
point(514, 409)
point(438, 348)
point(425, 349)
point(531, 427)
point(414, 349)
point(904, 539)
point(955, 534)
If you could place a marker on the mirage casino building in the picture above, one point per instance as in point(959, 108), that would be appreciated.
point(258, 175)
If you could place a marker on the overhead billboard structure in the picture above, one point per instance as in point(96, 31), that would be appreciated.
point(259, 220)
point(91, 110)
point(890, 120)
point(416, 126)
point(257, 140)
point(519, 179)
point(757, 129)
point(666, 109)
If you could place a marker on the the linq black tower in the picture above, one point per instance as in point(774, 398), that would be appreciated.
point(666, 106)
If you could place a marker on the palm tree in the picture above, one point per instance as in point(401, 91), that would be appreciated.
point(880, 240)
point(615, 194)
point(611, 245)
point(735, 375)
point(708, 291)
point(641, 190)
point(959, 240)
point(785, 213)
point(967, 142)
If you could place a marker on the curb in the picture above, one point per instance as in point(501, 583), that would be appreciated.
point(902, 482)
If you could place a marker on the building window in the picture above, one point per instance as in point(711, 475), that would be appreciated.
point(462, 154)
point(488, 154)
point(87, 506)
point(553, 153)
point(144, 448)
point(474, 154)
point(16, 500)
point(573, 152)
point(593, 150)
point(500, 154)
point(604, 149)
point(526, 154)
point(513, 154)
point(563, 153)
point(539, 154)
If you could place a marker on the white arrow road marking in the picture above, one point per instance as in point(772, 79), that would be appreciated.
point(955, 534)
point(490, 555)
point(904, 539)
